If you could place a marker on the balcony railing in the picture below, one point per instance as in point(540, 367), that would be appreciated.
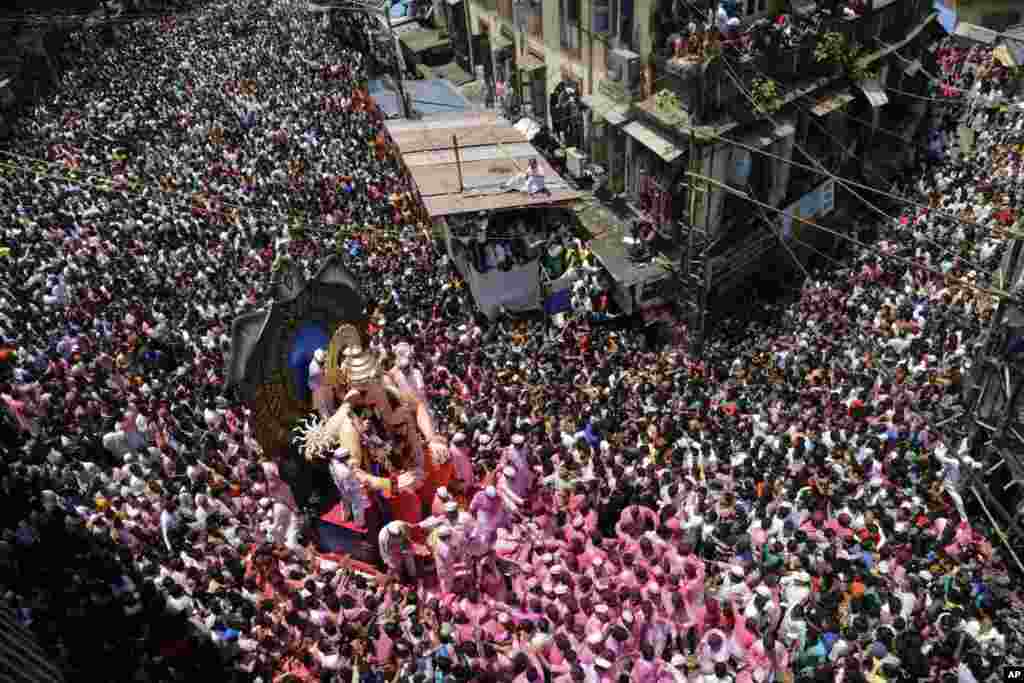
point(763, 43)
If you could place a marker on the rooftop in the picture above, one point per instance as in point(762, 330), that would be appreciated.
point(428, 97)
point(481, 176)
point(607, 232)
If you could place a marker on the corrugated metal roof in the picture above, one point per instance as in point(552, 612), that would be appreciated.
point(491, 154)
point(472, 130)
point(429, 97)
point(515, 150)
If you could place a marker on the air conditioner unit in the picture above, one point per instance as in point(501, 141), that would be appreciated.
point(575, 162)
point(627, 65)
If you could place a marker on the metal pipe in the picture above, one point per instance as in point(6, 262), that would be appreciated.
point(458, 162)
point(469, 37)
point(399, 61)
point(999, 532)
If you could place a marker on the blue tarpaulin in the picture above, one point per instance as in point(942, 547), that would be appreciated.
point(431, 96)
point(559, 302)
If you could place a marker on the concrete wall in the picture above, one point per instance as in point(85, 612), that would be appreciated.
point(590, 67)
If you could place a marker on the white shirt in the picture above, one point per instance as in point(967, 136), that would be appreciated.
point(168, 521)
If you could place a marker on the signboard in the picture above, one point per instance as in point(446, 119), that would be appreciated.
point(948, 13)
point(820, 201)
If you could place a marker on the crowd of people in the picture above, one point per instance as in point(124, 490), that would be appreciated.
point(788, 507)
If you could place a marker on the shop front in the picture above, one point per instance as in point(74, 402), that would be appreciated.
point(652, 164)
point(605, 139)
point(531, 86)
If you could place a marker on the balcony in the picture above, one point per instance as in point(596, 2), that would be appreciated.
point(785, 52)
point(529, 17)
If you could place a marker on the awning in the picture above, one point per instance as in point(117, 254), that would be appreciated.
point(614, 113)
point(762, 136)
point(652, 141)
point(978, 34)
point(529, 63)
point(500, 42)
point(872, 89)
point(830, 103)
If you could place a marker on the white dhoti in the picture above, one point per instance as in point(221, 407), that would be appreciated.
point(286, 526)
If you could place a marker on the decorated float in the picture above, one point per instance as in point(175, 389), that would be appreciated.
point(326, 411)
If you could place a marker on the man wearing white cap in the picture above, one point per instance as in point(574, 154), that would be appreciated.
point(353, 495)
point(511, 485)
point(490, 514)
point(463, 466)
point(441, 496)
point(396, 550)
point(322, 399)
point(445, 556)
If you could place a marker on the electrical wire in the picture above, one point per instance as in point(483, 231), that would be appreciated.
point(910, 263)
point(952, 101)
point(839, 180)
point(846, 181)
point(869, 188)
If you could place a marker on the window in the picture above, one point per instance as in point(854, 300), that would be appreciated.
point(535, 19)
point(751, 7)
point(762, 5)
point(621, 22)
point(505, 10)
point(570, 27)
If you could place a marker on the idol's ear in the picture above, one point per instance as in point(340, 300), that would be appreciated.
point(246, 331)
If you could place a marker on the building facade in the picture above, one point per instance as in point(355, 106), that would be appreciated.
point(769, 116)
point(643, 88)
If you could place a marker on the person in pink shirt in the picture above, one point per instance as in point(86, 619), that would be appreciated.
point(626, 577)
point(645, 667)
point(441, 496)
point(463, 465)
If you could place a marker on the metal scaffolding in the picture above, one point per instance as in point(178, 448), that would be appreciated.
point(996, 413)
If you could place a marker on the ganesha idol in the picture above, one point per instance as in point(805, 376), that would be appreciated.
point(382, 429)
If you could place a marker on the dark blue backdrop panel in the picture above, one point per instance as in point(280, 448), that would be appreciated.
point(308, 338)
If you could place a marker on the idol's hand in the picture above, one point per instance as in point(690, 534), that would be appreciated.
point(438, 452)
point(406, 481)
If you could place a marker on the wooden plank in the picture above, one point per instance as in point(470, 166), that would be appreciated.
point(422, 140)
point(443, 179)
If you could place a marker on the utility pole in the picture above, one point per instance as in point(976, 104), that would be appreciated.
point(399, 62)
point(695, 284)
point(470, 47)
